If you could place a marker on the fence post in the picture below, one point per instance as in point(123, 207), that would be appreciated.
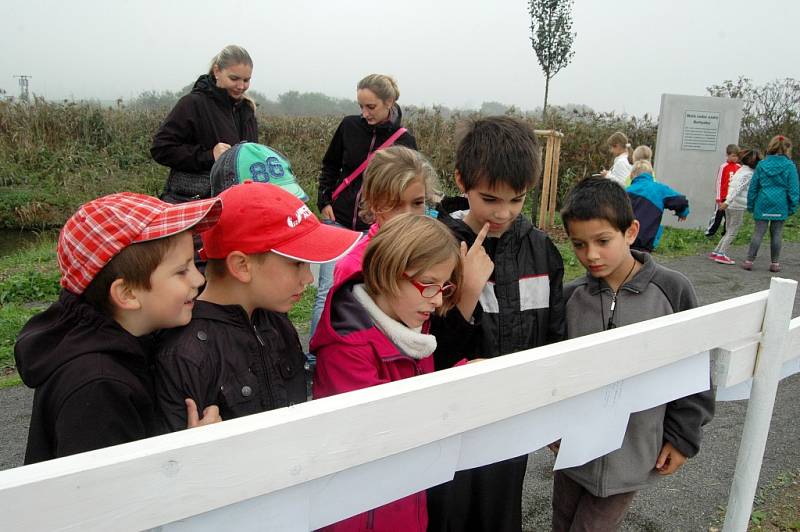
point(759, 408)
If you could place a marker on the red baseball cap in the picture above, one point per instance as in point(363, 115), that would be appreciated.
point(105, 226)
point(261, 217)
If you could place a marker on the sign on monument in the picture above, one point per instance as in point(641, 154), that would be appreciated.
point(700, 130)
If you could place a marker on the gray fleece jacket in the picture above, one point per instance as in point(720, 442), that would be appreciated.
point(653, 292)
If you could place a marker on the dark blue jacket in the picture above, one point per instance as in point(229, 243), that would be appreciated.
point(649, 200)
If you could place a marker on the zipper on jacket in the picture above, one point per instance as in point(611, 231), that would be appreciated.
point(264, 368)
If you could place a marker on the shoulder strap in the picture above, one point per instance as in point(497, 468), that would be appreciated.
point(357, 172)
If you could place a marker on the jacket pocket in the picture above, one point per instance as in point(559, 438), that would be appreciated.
point(241, 394)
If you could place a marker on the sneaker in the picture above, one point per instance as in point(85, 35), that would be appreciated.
point(747, 265)
point(713, 255)
point(775, 267)
point(724, 259)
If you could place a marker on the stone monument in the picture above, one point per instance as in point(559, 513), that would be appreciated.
point(693, 132)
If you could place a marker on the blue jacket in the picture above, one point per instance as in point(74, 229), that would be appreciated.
point(773, 192)
point(649, 200)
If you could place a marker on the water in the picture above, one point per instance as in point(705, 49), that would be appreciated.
point(12, 240)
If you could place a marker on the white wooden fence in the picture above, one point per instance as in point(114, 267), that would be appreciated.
point(303, 467)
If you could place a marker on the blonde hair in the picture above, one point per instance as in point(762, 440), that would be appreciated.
point(618, 138)
point(642, 153)
point(384, 87)
point(641, 167)
point(230, 56)
point(410, 244)
point(780, 145)
point(389, 173)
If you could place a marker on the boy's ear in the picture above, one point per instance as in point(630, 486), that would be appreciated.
point(459, 181)
point(122, 296)
point(239, 266)
point(632, 232)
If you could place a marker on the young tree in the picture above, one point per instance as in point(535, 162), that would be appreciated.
point(551, 37)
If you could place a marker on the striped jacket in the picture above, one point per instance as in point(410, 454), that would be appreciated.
point(522, 304)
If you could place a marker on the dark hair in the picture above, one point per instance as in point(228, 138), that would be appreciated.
point(498, 149)
point(135, 264)
point(750, 157)
point(598, 198)
point(732, 149)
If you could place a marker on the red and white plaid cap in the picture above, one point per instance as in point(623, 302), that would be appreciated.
point(261, 217)
point(105, 226)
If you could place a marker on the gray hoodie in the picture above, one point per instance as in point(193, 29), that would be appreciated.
point(653, 292)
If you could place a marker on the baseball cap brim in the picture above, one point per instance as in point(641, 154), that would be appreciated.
point(324, 243)
point(199, 216)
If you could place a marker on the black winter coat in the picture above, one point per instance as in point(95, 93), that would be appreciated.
point(523, 302)
point(352, 142)
point(223, 358)
point(186, 138)
point(93, 380)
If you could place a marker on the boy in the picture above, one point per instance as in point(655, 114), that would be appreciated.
point(126, 270)
point(240, 351)
point(726, 171)
point(621, 287)
point(649, 199)
point(498, 161)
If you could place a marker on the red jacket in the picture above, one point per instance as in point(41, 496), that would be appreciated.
point(352, 353)
point(726, 171)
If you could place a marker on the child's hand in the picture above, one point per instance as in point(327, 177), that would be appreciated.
point(210, 415)
point(475, 360)
point(478, 267)
point(555, 446)
point(669, 460)
point(219, 149)
point(681, 218)
point(604, 172)
point(723, 205)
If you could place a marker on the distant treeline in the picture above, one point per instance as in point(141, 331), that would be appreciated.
point(54, 156)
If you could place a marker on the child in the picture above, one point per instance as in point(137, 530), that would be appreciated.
point(649, 200)
point(643, 153)
point(726, 171)
point(735, 204)
point(126, 270)
point(772, 197)
point(498, 161)
point(398, 180)
point(622, 286)
point(374, 330)
point(240, 351)
point(620, 149)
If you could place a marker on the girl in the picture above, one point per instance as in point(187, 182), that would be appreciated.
point(772, 197)
point(205, 123)
point(374, 330)
point(398, 180)
point(620, 149)
point(356, 138)
point(735, 204)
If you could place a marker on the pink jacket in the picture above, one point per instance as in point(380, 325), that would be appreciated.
point(351, 263)
point(352, 353)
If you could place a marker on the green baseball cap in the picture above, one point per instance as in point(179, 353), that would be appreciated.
point(248, 161)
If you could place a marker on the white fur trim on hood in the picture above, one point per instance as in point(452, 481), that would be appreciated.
point(411, 342)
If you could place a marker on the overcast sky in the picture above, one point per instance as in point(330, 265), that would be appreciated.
point(459, 53)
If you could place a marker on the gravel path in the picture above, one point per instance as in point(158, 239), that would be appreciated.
point(691, 499)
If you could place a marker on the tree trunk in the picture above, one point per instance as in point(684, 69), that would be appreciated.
point(546, 90)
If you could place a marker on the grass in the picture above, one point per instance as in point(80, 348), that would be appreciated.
point(776, 506)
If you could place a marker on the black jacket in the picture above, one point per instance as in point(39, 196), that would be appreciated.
point(93, 381)
point(352, 142)
point(523, 303)
point(186, 138)
point(223, 358)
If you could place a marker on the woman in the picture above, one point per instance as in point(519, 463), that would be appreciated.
point(205, 123)
point(357, 136)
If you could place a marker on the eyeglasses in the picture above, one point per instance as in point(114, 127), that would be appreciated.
point(430, 290)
